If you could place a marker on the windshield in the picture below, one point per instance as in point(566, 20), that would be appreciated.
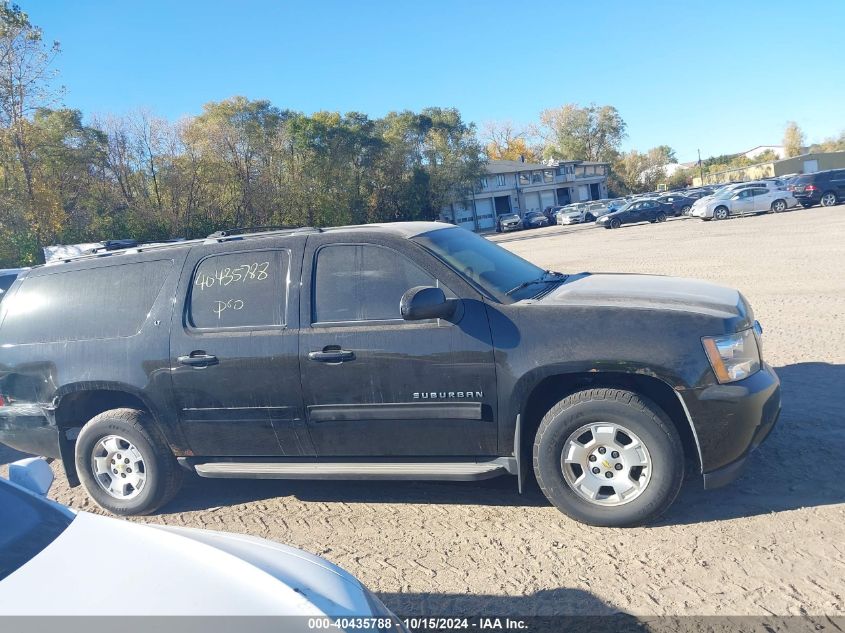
point(484, 263)
point(27, 525)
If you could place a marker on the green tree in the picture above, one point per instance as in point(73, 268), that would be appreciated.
point(572, 132)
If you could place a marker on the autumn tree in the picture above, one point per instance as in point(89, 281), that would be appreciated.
point(793, 139)
point(504, 141)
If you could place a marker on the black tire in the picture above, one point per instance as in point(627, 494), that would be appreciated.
point(661, 217)
point(163, 474)
point(589, 218)
point(719, 211)
point(807, 205)
point(686, 209)
point(615, 223)
point(634, 412)
point(828, 199)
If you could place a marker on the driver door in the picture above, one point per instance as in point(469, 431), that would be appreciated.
point(376, 385)
point(742, 202)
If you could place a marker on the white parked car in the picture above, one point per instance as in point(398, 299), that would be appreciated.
point(742, 201)
point(55, 561)
point(576, 213)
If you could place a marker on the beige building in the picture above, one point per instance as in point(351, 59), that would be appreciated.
point(803, 164)
point(513, 186)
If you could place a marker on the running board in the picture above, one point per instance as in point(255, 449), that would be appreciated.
point(419, 471)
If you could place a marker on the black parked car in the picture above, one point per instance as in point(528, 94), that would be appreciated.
point(823, 187)
point(391, 351)
point(648, 210)
point(679, 203)
point(534, 220)
point(508, 222)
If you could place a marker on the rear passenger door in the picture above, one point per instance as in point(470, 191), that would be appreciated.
point(234, 349)
point(376, 385)
point(762, 198)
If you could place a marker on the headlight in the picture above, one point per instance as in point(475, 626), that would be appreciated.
point(603, 218)
point(733, 356)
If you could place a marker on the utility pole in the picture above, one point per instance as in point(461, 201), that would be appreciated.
point(700, 168)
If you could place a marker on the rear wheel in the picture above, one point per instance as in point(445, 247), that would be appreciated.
point(778, 206)
point(661, 217)
point(608, 457)
point(125, 464)
point(828, 199)
point(685, 210)
point(720, 213)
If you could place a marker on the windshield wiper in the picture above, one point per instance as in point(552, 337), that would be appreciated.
point(548, 276)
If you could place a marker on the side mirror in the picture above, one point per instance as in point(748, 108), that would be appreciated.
point(425, 302)
point(32, 473)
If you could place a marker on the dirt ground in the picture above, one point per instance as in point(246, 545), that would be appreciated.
point(771, 543)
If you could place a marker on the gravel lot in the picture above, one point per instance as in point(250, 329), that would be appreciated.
point(771, 543)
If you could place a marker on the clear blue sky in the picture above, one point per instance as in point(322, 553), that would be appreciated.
point(719, 76)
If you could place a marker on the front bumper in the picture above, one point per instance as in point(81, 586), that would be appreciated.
point(510, 227)
point(732, 420)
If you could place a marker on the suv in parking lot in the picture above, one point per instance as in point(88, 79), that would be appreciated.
point(824, 187)
point(403, 351)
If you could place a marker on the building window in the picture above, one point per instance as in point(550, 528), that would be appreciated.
point(500, 180)
point(536, 176)
point(548, 175)
point(482, 183)
point(524, 178)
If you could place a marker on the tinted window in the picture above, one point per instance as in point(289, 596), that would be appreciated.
point(486, 264)
point(102, 302)
point(362, 282)
point(240, 290)
point(27, 526)
point(6, 282)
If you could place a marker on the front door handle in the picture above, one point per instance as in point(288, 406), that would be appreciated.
point(329, 355)
point(198, 359)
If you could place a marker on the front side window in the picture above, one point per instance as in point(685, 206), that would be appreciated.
point(484, 263)
point(240, 290)
point(28, 525)
point(362, 282)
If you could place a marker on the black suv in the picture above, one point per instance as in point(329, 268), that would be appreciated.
point(398, 351)
point(823, 187)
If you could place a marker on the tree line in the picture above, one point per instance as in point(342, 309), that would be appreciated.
point(240, 162)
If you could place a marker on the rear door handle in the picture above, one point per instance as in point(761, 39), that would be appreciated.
point(198, 359)
point(332, 356)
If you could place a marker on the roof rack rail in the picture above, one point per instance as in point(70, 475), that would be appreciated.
point(257, 229)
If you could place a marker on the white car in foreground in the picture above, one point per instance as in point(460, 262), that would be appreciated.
point(745, 201)
point(55, 561)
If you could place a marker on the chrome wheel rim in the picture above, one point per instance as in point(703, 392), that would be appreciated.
point(606, 464)
point(118, 467)
point(828, 200)
point(721, 214)
point(779, 206)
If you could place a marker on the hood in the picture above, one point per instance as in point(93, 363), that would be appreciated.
point(652, 292)
point(106, 566)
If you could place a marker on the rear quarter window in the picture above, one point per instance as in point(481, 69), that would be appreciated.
point(83, 304)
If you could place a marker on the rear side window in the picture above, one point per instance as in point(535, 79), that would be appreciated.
point(240, 290)
point(93, 303)
point(362, 282)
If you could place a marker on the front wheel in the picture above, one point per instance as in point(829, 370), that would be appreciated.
point(828, 199)
point(661, 217)
point(778, 206)
point(720, 213)
point(685, 210)
point(125, 464)
point(608, 457)
point(615, 223)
